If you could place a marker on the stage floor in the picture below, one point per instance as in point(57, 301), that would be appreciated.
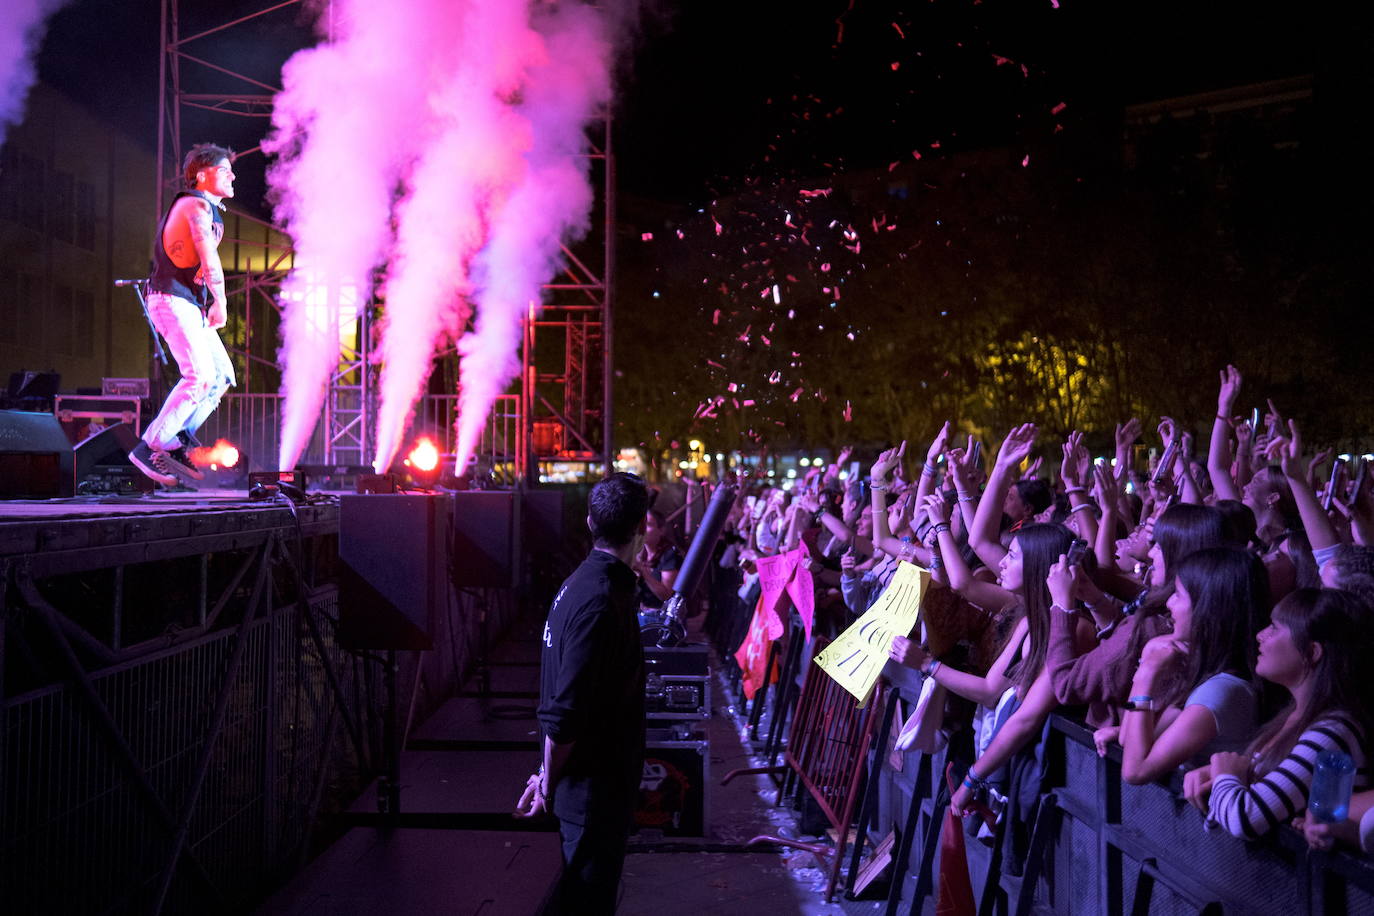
point(13, 510)
point(87, 532)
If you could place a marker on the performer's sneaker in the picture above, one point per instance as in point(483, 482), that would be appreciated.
point(179, 463)
point(153, 463)
point(188, 439)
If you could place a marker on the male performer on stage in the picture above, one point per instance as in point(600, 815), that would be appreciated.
point(186, 302)
point(591, 703)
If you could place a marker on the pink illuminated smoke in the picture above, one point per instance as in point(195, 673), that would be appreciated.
point(22, 24)
point(444, 141)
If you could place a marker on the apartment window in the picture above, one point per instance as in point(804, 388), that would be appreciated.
point(60, 318)
point(85, 215)
point(9, 306)
point(62, 215)
point(31, 191)
point(83, 323)
point(9, 185)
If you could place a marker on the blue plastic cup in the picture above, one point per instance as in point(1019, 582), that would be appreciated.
point(1332, 783)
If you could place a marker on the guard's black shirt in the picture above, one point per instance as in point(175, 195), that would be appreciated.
point(591, 689)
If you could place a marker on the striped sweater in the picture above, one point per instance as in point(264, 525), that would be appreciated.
point(1250, 811)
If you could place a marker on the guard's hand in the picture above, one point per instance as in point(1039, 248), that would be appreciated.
point(532, 802)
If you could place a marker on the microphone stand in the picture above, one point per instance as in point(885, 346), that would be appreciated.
point(158, 370)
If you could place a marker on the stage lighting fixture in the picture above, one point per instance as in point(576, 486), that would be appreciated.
point(423, 463)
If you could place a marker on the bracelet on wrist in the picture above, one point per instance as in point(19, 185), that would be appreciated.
point(1141, 703)
point(1071, 490)
point(877, 487)
point(967, 499)
point(1083, 507)
point(974, 782)
point(931, 667)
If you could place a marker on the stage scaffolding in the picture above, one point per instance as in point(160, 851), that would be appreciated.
point(559, 410)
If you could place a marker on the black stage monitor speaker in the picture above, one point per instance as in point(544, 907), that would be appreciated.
point(393, 569)
point(102, 461)
point(35, 456)
point(483, 538)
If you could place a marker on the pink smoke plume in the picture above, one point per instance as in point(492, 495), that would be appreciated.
point(548, 205)
point(472, 114)
point(22, 25)
point(343, 129)
point(473, 158)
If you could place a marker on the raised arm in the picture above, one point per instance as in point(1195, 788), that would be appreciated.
point(1320, 532)
point(983, 533)
point(1076, 470)
point(986, 595)
point(1219, 449)
point(926, 485)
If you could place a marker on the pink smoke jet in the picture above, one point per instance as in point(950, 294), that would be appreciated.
point(22, 24)
point(474, 117)
point(345, 130)
point(474, 157)
point(549, 204)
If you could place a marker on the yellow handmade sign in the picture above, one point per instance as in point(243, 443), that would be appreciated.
point(856, 657)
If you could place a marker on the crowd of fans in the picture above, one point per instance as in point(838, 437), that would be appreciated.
point(1209, 615)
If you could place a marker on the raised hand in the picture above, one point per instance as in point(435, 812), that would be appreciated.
point(845, 454)
point(1317, 461)
point(1076, 461)
point(886, 462)
point(1168, 430)
point(936, 509)
point(937, 448)
point(1288, 452)
point(1017, 446)
point(1060, 582)
point(1033, 468)
point(1230, 389)
point(1127, 433)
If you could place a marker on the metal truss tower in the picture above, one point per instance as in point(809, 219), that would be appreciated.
point(565, 389)
point(194, 78)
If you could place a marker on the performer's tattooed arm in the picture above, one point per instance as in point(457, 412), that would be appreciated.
point(212, 271)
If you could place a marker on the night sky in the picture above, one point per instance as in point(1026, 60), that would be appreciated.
point(715, 95)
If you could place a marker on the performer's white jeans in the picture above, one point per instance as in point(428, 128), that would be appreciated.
point(206, 372)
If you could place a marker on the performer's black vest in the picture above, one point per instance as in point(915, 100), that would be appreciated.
point(166, 277)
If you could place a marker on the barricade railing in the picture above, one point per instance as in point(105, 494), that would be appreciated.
point(1099, 845)
point(827, 753)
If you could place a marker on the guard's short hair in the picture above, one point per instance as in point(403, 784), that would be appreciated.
point(203, 156)
point(616, 508)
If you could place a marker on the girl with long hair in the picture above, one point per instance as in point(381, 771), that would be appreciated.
point(1192, 692)
point(1101, 677)
point(1316, 647)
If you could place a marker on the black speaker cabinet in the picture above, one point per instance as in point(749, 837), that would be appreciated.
point(393, 569)
point(484, 538)
point(102, 461)
point(35, 456)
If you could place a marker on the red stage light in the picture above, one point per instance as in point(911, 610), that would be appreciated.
point(223, 454)
point(424, 457)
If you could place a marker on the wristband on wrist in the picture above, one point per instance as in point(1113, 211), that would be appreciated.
point(1060, 608)
point(931, 667)
point(1072, 490)
point(877, 487)
point(939, 527)
point(928, 469)
point(1141, 703)
point(974, 782)
point(1083, 507)
point(967, 499)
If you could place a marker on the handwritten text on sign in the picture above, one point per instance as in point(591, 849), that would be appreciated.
point(856, 657)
